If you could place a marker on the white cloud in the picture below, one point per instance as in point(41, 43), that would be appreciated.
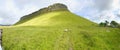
point(107, 9)
point(101, 10)
point(8, 12)
point(95, 10)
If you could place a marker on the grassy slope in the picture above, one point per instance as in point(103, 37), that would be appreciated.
point(56, 18)
point(46, 32)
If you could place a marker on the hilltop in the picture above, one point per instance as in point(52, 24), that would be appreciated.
point(59, 29)
point(55, 14)
point(51, 8)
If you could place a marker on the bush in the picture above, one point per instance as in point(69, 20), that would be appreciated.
point(114, 24)
point(102, 24)
point(106, 23)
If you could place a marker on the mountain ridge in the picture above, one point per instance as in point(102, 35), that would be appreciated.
point(51, 8)
point(65, 18)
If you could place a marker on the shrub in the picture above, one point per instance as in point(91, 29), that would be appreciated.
point(106, 23)
point(102, 24)
point(114, 24)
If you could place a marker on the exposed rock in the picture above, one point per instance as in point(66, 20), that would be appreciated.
point(54, 7)
point(5, 25)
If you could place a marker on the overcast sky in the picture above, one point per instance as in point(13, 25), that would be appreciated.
point(95, 10)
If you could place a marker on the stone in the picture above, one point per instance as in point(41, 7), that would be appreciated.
point(54, 7)
point(66, 30)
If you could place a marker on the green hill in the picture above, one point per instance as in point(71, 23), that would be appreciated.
point(59, 30)
point(59, 18)
point(51, 8)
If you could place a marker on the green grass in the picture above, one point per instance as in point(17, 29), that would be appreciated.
point(55, 18)
point(46, 32)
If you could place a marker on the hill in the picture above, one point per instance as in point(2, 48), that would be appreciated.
point(51, 8)
point(57, 18)
point(59, 30)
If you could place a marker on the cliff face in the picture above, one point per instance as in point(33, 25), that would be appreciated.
point(54, 7)
point(51, 8)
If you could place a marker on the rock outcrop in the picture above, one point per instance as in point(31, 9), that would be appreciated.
point(54, 7)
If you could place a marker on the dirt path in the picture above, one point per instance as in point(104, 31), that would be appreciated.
point(64, 42)
point(70, 41)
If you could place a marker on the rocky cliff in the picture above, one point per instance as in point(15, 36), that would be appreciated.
point(54, 7)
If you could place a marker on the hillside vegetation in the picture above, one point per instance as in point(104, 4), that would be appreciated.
point(59, 30)
point(51, 8)
point(59, 18)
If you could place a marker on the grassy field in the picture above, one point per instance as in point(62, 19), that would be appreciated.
point(47, 32)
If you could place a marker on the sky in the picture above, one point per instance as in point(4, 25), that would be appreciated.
point(95, 10)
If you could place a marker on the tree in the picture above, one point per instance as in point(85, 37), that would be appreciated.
point(102, 24)
point(114, 24)
point(106, 23)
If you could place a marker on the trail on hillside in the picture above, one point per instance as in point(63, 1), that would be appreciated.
point(64, 42)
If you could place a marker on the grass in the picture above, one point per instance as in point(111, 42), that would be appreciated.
point(46, 32)
point(55, 18)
